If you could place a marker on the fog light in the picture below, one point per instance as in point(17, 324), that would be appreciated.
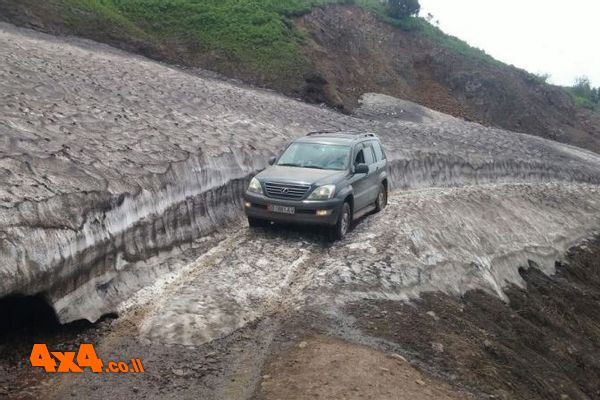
point(323, 213)
point(247, 204)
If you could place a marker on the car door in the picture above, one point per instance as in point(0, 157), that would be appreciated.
point(373, 177)
point(381, 170)
point(360, 182)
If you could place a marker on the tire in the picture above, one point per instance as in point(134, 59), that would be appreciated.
point(381, 200)
point(343, 224)
point(256, 222)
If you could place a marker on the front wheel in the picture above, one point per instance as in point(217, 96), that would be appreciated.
point(381, 201)
point(343, 224)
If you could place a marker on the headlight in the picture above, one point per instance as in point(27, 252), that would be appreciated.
point(322, 193)
point(254, 186)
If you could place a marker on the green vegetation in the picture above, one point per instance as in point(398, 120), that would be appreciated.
point(89, 15)
point(253, 32)
point(403, 8)
point(584, 94)
point(252, 35)
point(247, 36)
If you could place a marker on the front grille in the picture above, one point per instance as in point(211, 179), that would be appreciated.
point(286, 191)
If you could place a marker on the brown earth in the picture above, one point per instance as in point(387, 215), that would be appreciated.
point(321, 367)
point(354, 52)
point(351, 51)
point(543, 344)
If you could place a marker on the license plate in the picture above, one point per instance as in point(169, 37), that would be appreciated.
point(282, 209)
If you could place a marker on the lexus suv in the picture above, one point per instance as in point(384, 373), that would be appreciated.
point(328, 179)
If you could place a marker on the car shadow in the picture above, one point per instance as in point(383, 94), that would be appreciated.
point(318, 235)
point(295, 232)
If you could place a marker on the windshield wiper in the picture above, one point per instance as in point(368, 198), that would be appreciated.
point(300, 166)
point(288, 165)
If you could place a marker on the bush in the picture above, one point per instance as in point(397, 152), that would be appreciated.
point(401, 9)
point(582, 87)
point(596, 95)
point(585, 96)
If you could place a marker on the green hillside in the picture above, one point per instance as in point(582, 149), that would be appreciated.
point(252, 32)
point(243, 37)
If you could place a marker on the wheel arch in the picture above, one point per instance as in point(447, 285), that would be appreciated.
point(385, 184)
point(350, 200)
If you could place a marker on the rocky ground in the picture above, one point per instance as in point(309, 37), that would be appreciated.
point(120, 196)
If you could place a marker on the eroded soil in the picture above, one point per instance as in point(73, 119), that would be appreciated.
point(542, 344)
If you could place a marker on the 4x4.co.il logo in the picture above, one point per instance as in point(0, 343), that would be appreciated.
point(86, 357)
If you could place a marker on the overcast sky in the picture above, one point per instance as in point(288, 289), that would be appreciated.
point(558, 37)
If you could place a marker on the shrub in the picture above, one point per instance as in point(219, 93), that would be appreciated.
point(401, 9)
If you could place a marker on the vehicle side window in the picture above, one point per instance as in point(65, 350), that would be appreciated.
point(369, 156)
point(378, 150)
point(360, 158)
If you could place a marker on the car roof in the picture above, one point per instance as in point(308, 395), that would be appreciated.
point(347, 138)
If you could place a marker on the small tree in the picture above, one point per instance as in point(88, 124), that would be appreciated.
point(596, 95)
point(400, 9)
point(583, 87)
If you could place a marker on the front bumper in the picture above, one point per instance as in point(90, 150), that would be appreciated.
point(256, 206)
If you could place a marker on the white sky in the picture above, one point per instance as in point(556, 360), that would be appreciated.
point(558, 37)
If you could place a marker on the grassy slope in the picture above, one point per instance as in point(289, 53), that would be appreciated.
point(256, 35)
point(85, 15)
point(252, 32)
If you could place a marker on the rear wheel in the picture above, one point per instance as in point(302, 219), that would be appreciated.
point(342, 226)
point(381, 201)
point(256, 222)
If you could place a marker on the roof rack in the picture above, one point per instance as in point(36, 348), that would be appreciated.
point(324, 132)
point(321, 132)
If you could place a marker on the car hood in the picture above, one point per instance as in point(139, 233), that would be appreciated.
point(308, 176)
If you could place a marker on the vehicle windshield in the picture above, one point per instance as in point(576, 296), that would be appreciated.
point(316, 155)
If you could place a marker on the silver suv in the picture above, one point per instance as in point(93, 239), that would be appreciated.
point(328, 179)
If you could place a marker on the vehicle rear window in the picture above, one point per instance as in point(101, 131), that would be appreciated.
point(369, 156)
point(378, 150)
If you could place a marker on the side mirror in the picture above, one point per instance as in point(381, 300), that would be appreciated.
point(272, 160)
point(361, 169)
